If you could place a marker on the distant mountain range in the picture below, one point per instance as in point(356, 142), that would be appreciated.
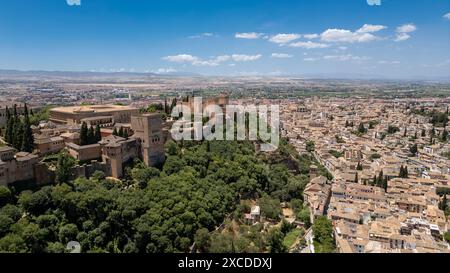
point(67, 75)
point(88, 74)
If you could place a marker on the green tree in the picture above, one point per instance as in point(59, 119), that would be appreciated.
point(84, 138)
point(362, 129)
point(9, 127)
point(433, 132)
point(142, 175)
point(305, 217)
point(323, 235)
point(172, 147)
point(285, 227)
point(392, 129)
point(27, 138)
point(359, 167)
point(55, 247)
point(380, 179)
point(68, 233)
point(413, 150)
point(310, 146)
point(13, 243)
point(98, 133)
point(443, 204)
point(115, 133)
point(174, 103)
point(91, 136)
point(63, 168)
point(172, 165)
point(202, 239)
point(275, 241)
point(18, 133)
point(447, 237)
point(5, 196)
point(5, 224)
point(444, 136)
point(12, 211)
point(270, 207)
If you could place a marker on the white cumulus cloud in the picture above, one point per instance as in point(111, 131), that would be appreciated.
point(73, 2)
point(281, 55)
point(311, 36)
point(407, 28)
point(212, 61)
point(447, 16)
point(284, 38)
point(403, 32)
point(346, 36)
point(164, 71)
point(202, 35)
point(402, 37)
point(309, 45)
point(245, 58)
point(181, 58)
point(347, 57)
point(370, 28)
point(248, 35)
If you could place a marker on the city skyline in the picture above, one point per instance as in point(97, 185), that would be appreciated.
point(261, 38)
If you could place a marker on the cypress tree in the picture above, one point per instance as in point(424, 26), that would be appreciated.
point(9, 128)
point(444, 136)
point(443, 204)
point(15, 111)
point(359, 167)
point(84, 134)
point(385, 183)
point(17, 134)
point(166, 106)
point(91, 135)
point(361, 128)
point(121, 132)
point(115, 133)
point(125, 134)
point(356, 178)
point(174, 103)
point(27, 139)
point(380, 179)
point(98, 133)
point(413, 149)
point(401, 174)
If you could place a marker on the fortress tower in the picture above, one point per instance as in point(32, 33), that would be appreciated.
point(113, 157)
point(148, 128)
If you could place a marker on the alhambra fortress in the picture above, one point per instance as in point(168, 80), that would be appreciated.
point(146, 135)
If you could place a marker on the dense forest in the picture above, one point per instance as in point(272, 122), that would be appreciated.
point(153, 210)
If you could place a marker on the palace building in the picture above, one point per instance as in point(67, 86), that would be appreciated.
point(93, 114)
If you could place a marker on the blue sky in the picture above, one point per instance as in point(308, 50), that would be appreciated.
point(399, 38)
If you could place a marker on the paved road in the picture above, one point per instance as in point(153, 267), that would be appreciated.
point(309, 242)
